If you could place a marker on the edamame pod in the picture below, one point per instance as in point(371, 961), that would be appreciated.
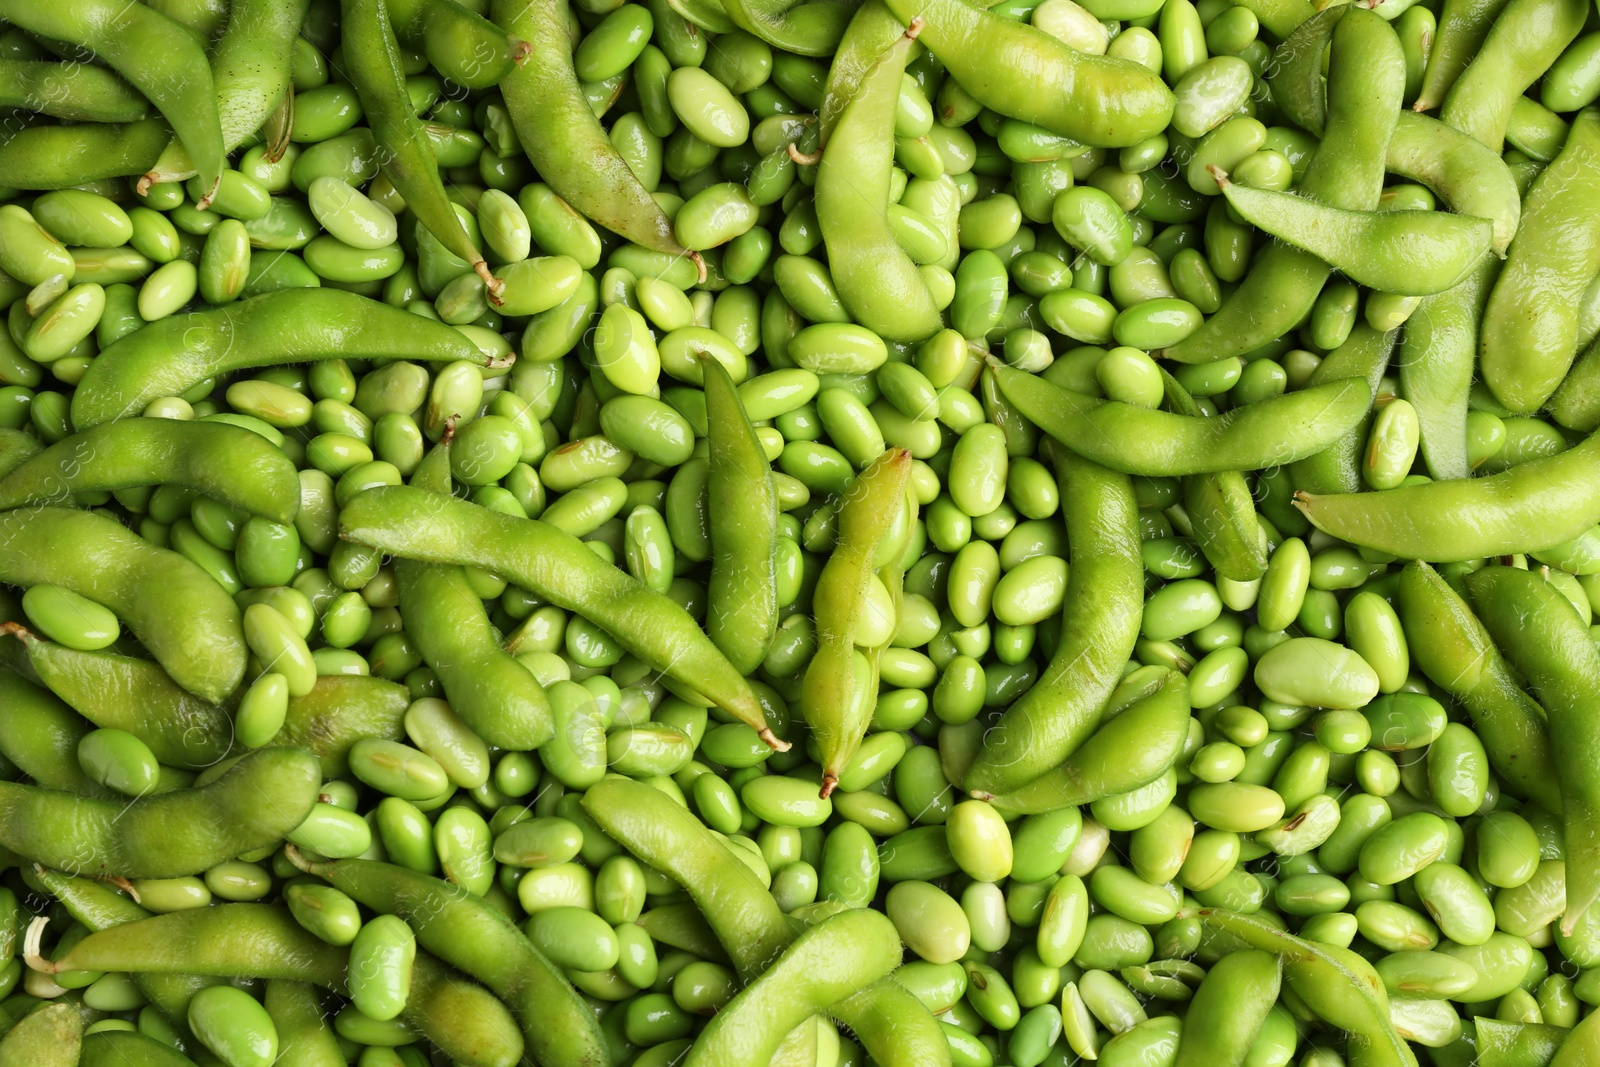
point(67, 155)
point(372, 55)
point(1523, 40)
point(253, 804)
point(1528, 339)
point(808, 28)
point(557, 566)
point(1437, 360)
point(1337, 984)
point(340, 710)
point(49, 1037)
point(878, 282)
point(264, 941)
point(1534, 505)
point(493, 693)
point(98, 906)
point(1527, 617)
point(1132, 749)
point(831, 696)
point(250, 72)
point(471, 934)
point(156, 55)
point(1230, 1007)
point(742, 594)
point(1363, 357)
point(230, 464)
point(1468, 176)
point(872, 30)
point(135, 695)
point(1452, 648)
point(1099, 626)
point(563, 138)
point(290, 326)
point(1366, 81)
point(1027, 74)
point(896, 1028)
point(44, 736)
point(1222, 511)
point(460, 43)
point(182, 616)
point(824, 965)
point(1415, 253)
point(1142, 441)
point(74, 91)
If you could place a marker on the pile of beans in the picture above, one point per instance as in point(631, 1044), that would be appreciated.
point(927, 533)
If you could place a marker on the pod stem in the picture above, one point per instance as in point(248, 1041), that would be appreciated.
point(805, 159)
point(830, 782)
point(774, 742)
point(205, 201)
point(32, 947)
point(294, 856)
point(494, 285)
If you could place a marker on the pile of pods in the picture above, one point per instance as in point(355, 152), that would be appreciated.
point(915, 533)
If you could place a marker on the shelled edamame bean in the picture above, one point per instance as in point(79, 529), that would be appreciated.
point(638, 533)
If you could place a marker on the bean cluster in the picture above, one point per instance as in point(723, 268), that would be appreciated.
point(722, 532)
